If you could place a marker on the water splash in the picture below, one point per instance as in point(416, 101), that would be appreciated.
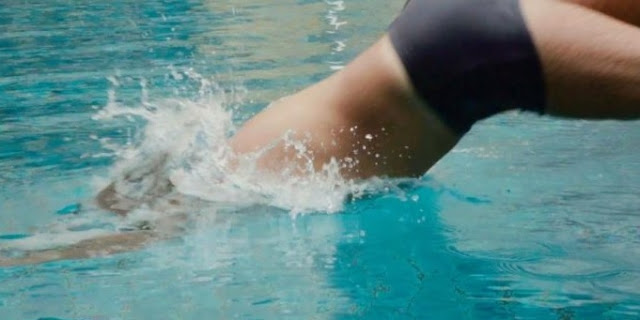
point(176, 169)
point(184, 143)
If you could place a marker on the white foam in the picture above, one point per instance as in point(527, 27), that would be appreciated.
point(192, 134)
point(185, 141)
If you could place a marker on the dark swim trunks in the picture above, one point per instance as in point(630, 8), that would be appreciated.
point(469, 59)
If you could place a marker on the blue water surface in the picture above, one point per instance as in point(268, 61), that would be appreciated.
point(528, 218)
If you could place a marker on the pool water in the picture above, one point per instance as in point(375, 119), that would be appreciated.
point(528, 218)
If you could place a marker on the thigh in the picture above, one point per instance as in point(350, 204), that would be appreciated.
point(590, 60)
point(625, 10)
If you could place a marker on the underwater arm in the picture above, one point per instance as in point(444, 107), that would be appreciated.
point(141, 234)
point(89, 248)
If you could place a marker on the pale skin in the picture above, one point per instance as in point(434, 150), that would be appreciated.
point(369, 113)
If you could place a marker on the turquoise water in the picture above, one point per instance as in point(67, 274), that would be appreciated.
point(528, 218)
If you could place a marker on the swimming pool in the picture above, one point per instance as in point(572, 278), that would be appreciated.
point(528, 218)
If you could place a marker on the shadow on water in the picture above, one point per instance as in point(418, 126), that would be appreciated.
point(396, 260)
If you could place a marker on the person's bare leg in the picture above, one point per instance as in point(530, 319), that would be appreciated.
point(591, 61)
point(366, 113)
point(591, 67)
point(625, 10)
